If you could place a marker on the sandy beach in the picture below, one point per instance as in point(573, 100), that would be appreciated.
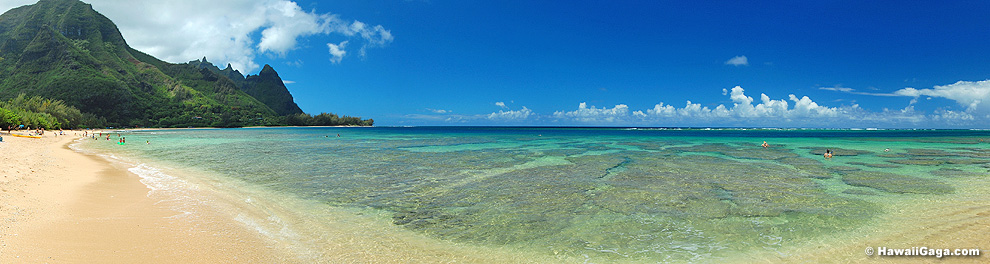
point(61, 206)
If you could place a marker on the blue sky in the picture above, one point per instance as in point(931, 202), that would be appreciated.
point(596, 63)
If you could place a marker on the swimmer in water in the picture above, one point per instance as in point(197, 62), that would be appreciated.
point(886, 150)
point(828, 154)
point(765, 145)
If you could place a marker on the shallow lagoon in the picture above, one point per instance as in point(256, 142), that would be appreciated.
point(597, 194)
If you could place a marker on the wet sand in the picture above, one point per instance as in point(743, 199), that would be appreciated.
point(955, 221)
point(58, 205)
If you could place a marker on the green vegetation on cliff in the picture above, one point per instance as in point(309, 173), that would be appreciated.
point(267, 86)
point(64, 50)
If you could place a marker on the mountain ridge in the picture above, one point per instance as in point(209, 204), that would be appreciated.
point(66, 50)
point(266, 86)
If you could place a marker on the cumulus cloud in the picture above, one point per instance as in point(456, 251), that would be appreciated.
point(228, 31)
point(438, 111)
point(593, 114)
point(953, 117)
point(974, 96)
point(287, 22)
point(744, 111)
point(500, 104)
point(737, 61)
point(337, 51)
point(511, 115)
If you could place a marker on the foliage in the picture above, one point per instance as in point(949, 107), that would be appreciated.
point(65, 51)
point(38, 112)
point(325, 119)
point(9, 118)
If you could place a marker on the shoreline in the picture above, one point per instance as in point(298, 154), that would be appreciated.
point(62, 205)
point(71, 206)
point(80, 207)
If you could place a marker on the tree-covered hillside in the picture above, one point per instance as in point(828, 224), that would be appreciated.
point(64, 50)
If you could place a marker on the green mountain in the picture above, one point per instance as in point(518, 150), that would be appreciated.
point(267, 87)
point(65, 50)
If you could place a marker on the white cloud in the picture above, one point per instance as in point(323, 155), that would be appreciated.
point(595, 115)
point(661, 110)
point(974, 96)
point(804, 107)
point(953, 117)
point(228, 31)
point(287, 22)
point(794, 111)
point(745, 111)
point(337, 51)
point(500, 104)
point(737, 61)
point(376, 36)
point(287, 82)
point(837, 88)
point(511, 115)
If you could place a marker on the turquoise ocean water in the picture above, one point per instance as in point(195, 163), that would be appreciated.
point(568, 194)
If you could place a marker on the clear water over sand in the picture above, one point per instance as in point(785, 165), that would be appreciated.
point(569, 194)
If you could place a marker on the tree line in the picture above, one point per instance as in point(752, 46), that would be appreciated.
point(37, 112)
point(325, 119)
